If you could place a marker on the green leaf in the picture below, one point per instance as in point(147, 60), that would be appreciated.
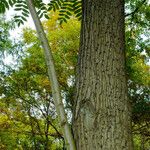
point(18, 9)
point(25, 14)
point(46, 16)
point(23, 18)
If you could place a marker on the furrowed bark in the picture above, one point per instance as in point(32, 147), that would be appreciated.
point(69, 141)
point(102, 115)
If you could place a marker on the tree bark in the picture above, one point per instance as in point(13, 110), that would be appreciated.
point(102, 115)
point(69, 141)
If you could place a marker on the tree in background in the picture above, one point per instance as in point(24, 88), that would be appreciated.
point(137, 55)
point(27, 92)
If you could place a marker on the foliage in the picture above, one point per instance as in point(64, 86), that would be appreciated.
point(138, 53)
point(66, 9)
point(9, 47)
point(27, 92)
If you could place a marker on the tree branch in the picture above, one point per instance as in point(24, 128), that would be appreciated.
point(56, 135)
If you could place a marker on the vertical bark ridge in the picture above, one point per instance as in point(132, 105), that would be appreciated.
point(101, 111)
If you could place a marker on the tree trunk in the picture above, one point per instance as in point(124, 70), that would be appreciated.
point(102, 118)
point(69, 141)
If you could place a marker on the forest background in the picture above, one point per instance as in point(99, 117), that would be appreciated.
point(28, 117)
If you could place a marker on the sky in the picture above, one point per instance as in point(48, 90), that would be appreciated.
point(16, 33)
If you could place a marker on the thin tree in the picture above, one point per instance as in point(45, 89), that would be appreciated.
point(53, 78)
